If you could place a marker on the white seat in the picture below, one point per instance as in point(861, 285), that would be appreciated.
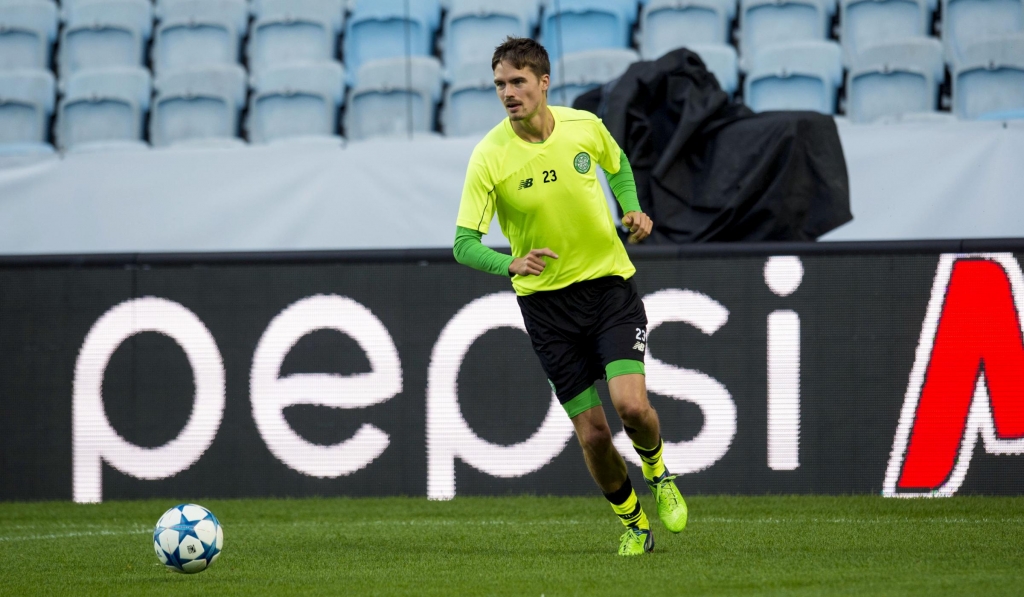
point(580, 25)
point(104, 107)
point(796, 76)
point(667, 25)
point(866, 23)
point(198, 106)
point(988, 80)
point(26, 103)
point(379, 29)
point(294, 31)
point(195, 33)
point(888, 81)
point(584, 71)
point(768, 22)
point(471, 105)
point(474, 28)
point(27, 32)
point(966, 22)
point(394, 97)
point(104, 33)
point(296, 100)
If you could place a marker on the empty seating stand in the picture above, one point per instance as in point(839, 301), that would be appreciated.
point(26, 104)
point(579, 25)
point(394, 97)
point(988, 81)
point(104, 108)
point(198, 107)
point(471, 105)
point(198, 33)
point(888, 82)
point(294, 31)
point(296, 101)
point(667, 25)
point(796, 76)
point(473, 28)
point(580, 72)
point(27, 31)
point(104, 33)
point(767, 22)
point(966, 22)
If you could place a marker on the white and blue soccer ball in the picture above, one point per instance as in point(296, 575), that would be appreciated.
point(188, 538)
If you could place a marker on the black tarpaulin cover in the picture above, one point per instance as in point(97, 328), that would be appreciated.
point(709, 170)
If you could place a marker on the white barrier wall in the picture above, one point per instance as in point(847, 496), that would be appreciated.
point(908, 181)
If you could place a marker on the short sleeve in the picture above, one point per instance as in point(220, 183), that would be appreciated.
point(477, 206)
point(609, 153)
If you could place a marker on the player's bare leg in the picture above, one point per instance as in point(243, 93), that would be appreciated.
point(629, 396)
point(608, 469)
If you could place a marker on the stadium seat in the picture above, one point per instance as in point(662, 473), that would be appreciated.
point(988, 82)
point(391, 91)
point(473, 28)
point(667, 25)
point(584, 71)
point(196, 33)
point(26, 103)
point(471, 105)
point(297, 100)
point(767, 22)
point(379, 29)
point(572, 26)
point(103, 108)
point(292, 31)
point(966, 22)
point(721, 61)
point(198, 106)
point(797, 76)
point(104, 33)
point(887, 81)
point(27, 32)
point(866, 23)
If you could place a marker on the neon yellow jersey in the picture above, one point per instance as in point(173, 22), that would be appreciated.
point(548, 195)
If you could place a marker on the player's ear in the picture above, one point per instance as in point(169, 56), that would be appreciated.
point(545, 82)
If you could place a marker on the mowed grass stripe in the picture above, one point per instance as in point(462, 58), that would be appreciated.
point(785, 545)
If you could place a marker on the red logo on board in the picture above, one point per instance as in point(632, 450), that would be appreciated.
point(968, 377)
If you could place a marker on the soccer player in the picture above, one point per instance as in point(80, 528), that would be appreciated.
point(570, 271)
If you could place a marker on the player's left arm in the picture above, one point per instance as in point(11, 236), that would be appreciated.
point(623, 186)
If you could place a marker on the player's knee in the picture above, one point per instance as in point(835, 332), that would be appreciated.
point(634, 413)
point(596, 437)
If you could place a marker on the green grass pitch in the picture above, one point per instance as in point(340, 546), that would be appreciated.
point(527, 546)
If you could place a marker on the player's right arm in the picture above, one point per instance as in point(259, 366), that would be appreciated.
point(475, 212)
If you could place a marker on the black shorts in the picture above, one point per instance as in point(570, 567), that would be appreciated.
point(578, 330)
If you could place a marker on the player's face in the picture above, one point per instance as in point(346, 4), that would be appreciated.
point(521, 91)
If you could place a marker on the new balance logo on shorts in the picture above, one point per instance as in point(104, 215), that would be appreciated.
point(525, 184)
point(639, 346)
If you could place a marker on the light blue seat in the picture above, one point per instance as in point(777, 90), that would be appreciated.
point(27, 32)
point(666, 25)
point(965, 22)
point(104, 108)
point(379, 29)
point(888, 81)
point(988, 82)
point(471, 105)
point(198, 106)
point(26, 103)
point(796, 76)
point(769, 22)
point(296, 100)
point(583, 25)
point(293, 31)
point(866, 23)
point(195, 33)
point(393, 97)
point(104, 33)
point(721, 60)
point(584, 71)
point(474, 28)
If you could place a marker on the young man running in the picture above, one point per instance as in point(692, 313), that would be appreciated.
point(570, 272)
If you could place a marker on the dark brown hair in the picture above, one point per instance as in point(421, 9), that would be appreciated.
point(523, 52)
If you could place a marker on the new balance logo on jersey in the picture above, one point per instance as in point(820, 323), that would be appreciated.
point(639, 346)
point(525, 184)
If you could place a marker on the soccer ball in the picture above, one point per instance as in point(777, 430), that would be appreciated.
point(188, 538)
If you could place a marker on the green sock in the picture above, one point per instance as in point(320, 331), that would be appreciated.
point(651, 461)
point(625, 503)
